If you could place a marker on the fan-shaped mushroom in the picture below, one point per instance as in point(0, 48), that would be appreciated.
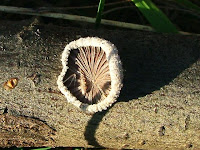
point(91, 77)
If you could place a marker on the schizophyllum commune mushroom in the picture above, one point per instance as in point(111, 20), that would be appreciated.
point(91, 77)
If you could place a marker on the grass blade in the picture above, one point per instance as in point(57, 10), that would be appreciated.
point(155, 16)
point(188, 4)
point(99, 12)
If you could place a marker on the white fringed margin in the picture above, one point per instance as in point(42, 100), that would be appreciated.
point(115, 67)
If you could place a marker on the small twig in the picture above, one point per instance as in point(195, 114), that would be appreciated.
point(134, 7)
point(188, 33)
point(29, 11)
point(115, 9)
point(115, 3)
point(57, 9)
point(127, 25)
point(183, 10)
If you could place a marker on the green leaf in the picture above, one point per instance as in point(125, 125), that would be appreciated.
point(99, 12)
point(155, 16)
point(188, 4)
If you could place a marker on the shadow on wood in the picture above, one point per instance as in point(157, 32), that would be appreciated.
point(148, 64)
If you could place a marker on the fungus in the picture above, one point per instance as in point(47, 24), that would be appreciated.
point(91, 77)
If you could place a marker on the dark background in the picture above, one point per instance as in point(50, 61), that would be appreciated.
point(119, 10)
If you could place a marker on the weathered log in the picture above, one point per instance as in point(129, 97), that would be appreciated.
point(159, 105)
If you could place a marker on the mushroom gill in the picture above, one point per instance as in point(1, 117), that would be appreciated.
point(91, 78)
point(88, 77)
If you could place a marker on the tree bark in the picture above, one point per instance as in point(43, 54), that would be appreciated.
point(158, 108)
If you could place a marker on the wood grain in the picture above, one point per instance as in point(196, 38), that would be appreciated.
point(159, 105)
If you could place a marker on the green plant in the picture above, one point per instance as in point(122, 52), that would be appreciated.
point(99, 12)
point(158, 20)
point(155, 16)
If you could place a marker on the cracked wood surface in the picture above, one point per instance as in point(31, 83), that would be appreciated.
point(159, 105)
